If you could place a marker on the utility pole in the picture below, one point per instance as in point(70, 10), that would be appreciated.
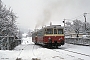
point(64, 26)
point(85, 21)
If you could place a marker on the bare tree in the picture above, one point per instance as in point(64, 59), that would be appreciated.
point(77, 26)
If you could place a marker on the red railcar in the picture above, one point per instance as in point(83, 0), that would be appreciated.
point(49, 36)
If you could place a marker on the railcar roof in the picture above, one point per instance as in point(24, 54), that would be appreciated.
point(55, 26)
point(52, 26)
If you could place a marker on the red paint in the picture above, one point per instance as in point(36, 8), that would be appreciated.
point(53, 38)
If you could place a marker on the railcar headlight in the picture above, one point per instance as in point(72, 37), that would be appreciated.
point(60, 38)
point(49, 38)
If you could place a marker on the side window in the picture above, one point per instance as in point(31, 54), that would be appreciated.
point(40, 33)
point(60, 31)
point(55, 31)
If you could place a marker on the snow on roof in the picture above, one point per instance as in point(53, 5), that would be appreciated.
point(54, 26)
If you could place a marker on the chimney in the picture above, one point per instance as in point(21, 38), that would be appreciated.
point(50, 23)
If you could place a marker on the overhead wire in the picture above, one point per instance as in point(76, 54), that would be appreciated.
point(80, 17)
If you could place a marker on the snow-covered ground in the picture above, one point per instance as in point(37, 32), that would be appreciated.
point(28, 50)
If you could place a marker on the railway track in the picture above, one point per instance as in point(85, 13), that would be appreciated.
point(76, 53)
point(22, 50)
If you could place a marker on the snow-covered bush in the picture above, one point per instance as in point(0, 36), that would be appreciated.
point(7, 21)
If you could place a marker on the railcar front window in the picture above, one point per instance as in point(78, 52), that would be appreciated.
point(49, 31)
point(60, 31)
point(55, 31)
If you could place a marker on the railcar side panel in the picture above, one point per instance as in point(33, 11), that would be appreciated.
point(40, 39)
point(54, 39)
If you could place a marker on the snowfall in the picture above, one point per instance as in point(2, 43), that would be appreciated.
point(27, 50)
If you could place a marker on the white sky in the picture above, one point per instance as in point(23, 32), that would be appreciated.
point(35, 13)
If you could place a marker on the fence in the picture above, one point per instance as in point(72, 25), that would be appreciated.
point(79, 41)
point(8, 42)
